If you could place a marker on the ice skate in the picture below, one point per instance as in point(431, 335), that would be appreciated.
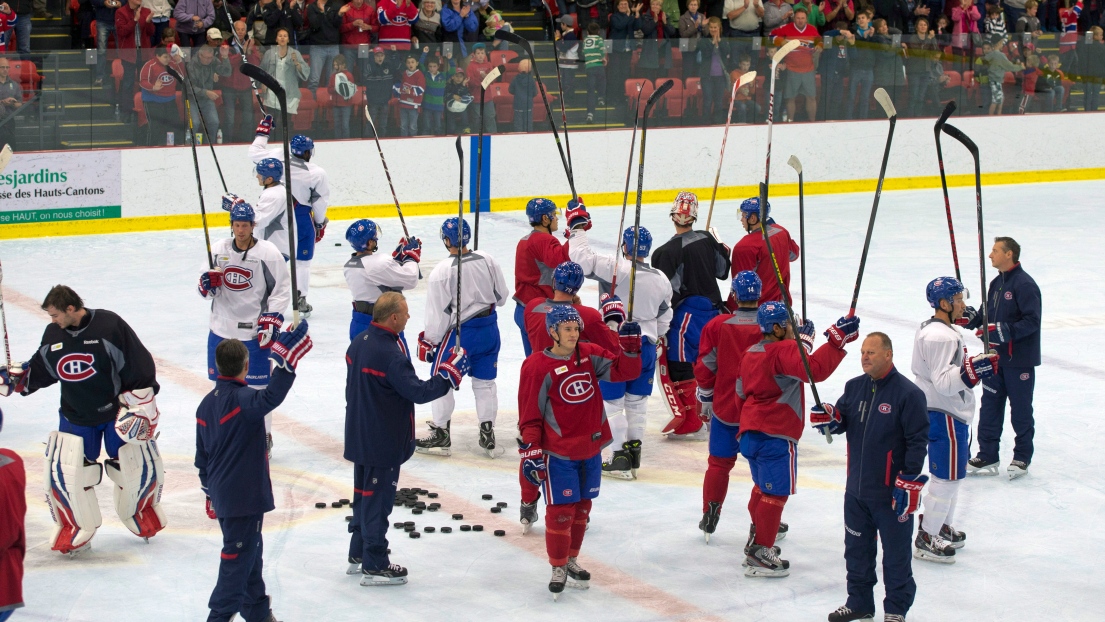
point(749, 544)
point(709, 519)
point(558, 581)
point(528, 517)
point(1017, 468)
point(620, 465)
point(783, 529)
point(577, 576)
point(764, 562)
point(893, 617)
point(634, 449)
point(957, 539)
point(354, 566)
point(701, 434)
point(80, 551)
point(438, 443)
point(933, 548)
point(304, 308)
point(978, 466)
point(487, 438)
point(845, 614)
point(392, 575)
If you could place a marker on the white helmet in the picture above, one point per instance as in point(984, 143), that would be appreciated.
point(684, 210)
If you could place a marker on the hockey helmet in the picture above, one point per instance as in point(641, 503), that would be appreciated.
point(360, 233)
point(300, 145)
point(943, 288)
point(271, 167)
point(568, 277)
point(752, 206)
point(450, 233)
point(242, 212)
point(747, 286)
point(560, 314)
point(536, 208)
point(455, 105)
point(684, 209)
point(644, 241)
point(771, 313)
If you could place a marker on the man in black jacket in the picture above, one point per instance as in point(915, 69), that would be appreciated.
point(325, 24)
point(380, 74)
point(885, 419)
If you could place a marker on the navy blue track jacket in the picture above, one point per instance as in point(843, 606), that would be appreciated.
point(1014, 300)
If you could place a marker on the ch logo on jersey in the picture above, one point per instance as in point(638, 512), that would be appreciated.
point(237, 278)
point(76, 367)
point(1009, 295)
point(1026, 376)
point(884, 408)
point(577, 388)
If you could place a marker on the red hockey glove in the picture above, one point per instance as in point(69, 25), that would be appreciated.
point(978, 367)
point(907, 494)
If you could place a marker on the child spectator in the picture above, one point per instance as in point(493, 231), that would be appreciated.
point(410, 91)
point(745, 108)
point(835, 67)
point(1029, 22)
point(380, 75)
point(492, 21)
point(942, 29)
point(1068, 17)
point(159, 97)
point(1050, 85)
point(343, 92)
point(524, 89)
point(457, 100)
point(477, 70)
point(594, 58)
point(996, 65)
point(1029, 81)
point(995, 23)
point(433, 102)
point(713, 72)
point(692, 26)
point(863, 56)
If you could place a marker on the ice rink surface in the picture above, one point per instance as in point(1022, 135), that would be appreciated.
point(1034, 549)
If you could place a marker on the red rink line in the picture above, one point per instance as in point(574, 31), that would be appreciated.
point(611, 579)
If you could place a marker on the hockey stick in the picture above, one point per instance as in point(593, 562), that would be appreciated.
point(776, 58)
point(460, 230)
point(955, 133)
point(744, 79)
point(888, 107)
point(3, 311)
point(387, 173)
point(199, 183)
point(797, 166)
point(260, 75)
point(183, 79)
point(487, 80)
point(948, 110)
point(252, 83)
point(625, 195)
point(510, 37)
point(652, 99)
point(560, 85)
point(5, 156)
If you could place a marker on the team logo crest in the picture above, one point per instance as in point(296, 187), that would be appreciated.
point(76, 367)
point(884, 408)
point(1009, 295)
point(577, 388)
point(1026, 376)
point(237, 278)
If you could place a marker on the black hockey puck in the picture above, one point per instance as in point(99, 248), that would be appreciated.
point(429, 529)
point(432, 495)
point(397, 525)
point(501, 504)
point(408, 528)
point(320, 504)
point(337, 243)
point(487, 497)
point(500, 532)
point(416, 511)
point(432, 508)
point(420, 505)
point(477, 527)
point(408, 523)
point(466, 528)
point(446, 530)
point(397, 503)
point(335, 504)
point(423, 491)
point(344, 501)
point(496, 509)
point(434, 505)
point(458, 516)
point(409, 504)
point(415, 534)
point(404, 490)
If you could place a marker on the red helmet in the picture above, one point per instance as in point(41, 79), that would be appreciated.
point(684, 210)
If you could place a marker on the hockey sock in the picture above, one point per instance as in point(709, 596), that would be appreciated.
point(268, 423)
point(487, 399)
point(716, 483)
point(615, 415)
point(754, 501)
point(302, 276)
point(949, 520)
point(579, 526)
point(530, 493)
point(442, 409)
point(938, 503)
point(558, 532)
point(769, 513)
point(636, 409)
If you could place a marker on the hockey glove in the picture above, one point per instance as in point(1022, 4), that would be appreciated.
point(978, 367)
point(209, 282)
point(210, 509)
point(970, 318)
point(807, 333)
point(320, 229)
point(907, 494)
point(613, 311)
point(409, 249)
point(290, 346)
point(427, 351)
point(706, 398)
point(845, 331)
point(630, 337)
point(230, 200)
point(533, 462)
point(577, 216)
point(137, 418)
point(825, 418)
point(455, 367)
point(268, 325)
point(265, 126)
point(999, 333)
point(13, 379)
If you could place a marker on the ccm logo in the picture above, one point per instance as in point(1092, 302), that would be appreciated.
point(884, 409)
point(76, 367)
point(237, 279)
point(577, 388)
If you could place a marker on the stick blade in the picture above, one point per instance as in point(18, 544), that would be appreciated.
point(887, 104)
point(260, 75)
point(948, 110)
point(5, 156)
point(795, 164)
point(491, 77)
point(174, 73)
point(782, 52)
point(658, 93)
point(511, 37)
point(745, 79)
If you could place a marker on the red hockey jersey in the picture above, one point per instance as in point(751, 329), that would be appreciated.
point(721, 349)
point(594, 329)
point(750, 253)
point(537, 255)
point(559, 405)
point(13, 537)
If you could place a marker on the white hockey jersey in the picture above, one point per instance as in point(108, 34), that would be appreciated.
point(255, 281)
point(938, 352)
point(482, 286)
point(369, 276)
point(271, 217)
point(310, 184)
point(652, 290)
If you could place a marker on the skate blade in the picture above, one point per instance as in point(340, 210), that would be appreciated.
point(579, 584)
point(760, 572)
point(985, 471)
point(936, 559)
point(623, 475)
point(556, 596)
point(699, 436)
point(958, 545)
point(382, 581)
point(80, 551)
point(494, 452)
point(434, 451)
point(781, 536)
point(1017, 473)
point(526, 528)
point(707, 537)
point(353, 569)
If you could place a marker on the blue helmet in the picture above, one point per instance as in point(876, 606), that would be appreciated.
point(771, 313)
point(568, 277)
point(271, 167)
point(644, 241)
point(242, 212)
point(449, 233)
point(560, 314)
point(536, 208)
point(942, 288)
point(301, 144)
point(747, 286)
point(360, 233)
point(752, 206)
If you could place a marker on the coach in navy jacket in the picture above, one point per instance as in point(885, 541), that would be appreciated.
point(885, 418)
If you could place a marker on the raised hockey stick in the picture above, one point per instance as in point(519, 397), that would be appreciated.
point(796, 164)
point(776, 58)
point(487, 80)
point(652, 99)
point(199, 183)
point(948, 110)
point(625, 195)
point(744, 80)
point(260, 75)
point(957, 134)
point(510, 37)
point(3, 310)
point(888, 107)
point(387, 173)
point(183, 79)
point(560, 86)
point(460, 229)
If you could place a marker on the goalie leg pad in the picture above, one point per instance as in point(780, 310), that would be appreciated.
point(139, 478)
point(683, 404)
point(70, 493)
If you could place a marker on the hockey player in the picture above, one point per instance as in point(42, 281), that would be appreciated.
point(311, 193)
point(271, 211)
point(750, 253)
point(483, 287)
point(883, 415)
point(563, 430)
point(693, 261)
point(249, 291)
point(948, 377)
point(724, 341)
point(234, 469)
point(772, 421)
point(370, 274)
point(567, 279)
point(108, 385)
point(627, 403)
point(13, 535)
